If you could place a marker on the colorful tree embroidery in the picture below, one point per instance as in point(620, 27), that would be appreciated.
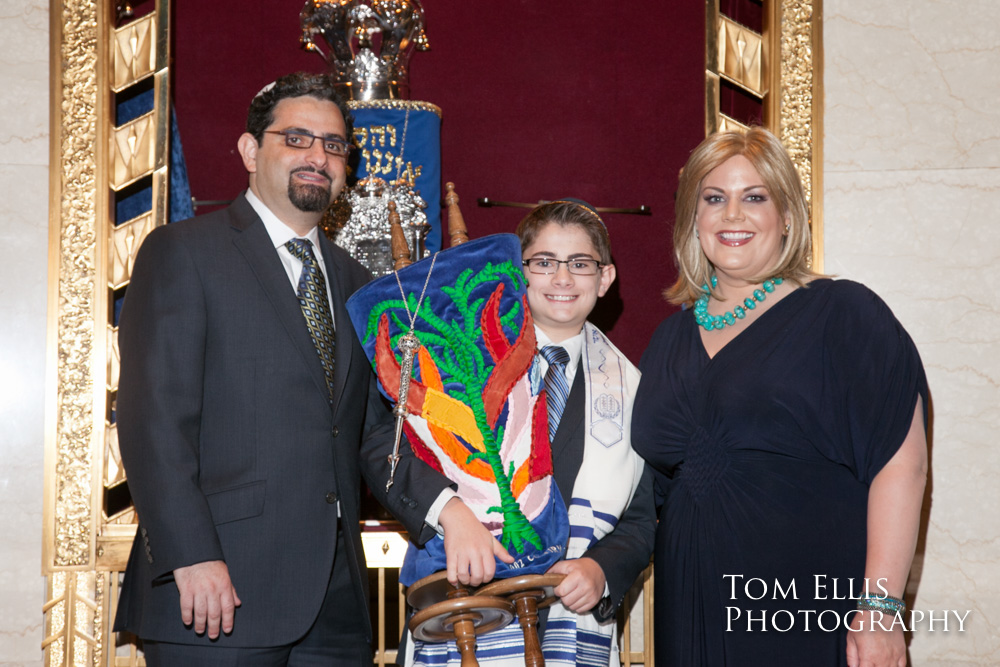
point(467, 366)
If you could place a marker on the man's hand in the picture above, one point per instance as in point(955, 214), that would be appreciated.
point(208, 598)
point(869, 646)
point(469, 547)
point(583, 586)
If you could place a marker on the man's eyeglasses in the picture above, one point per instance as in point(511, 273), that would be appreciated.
point(578, 267)
point(304, 140)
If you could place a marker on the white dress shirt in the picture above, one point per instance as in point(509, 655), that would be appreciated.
point(281, 234)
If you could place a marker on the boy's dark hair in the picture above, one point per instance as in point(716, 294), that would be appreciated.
point(298, 84)
point(565, 212)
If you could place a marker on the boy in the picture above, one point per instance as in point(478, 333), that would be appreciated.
point(608, 494)
point(589, 386)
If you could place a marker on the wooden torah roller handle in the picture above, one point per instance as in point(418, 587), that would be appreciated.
point(431, 589)
point(449, 612)
point(528, 593)
point(539, 587)
point(464, 616)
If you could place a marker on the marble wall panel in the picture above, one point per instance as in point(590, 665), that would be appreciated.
point(23, 293)
point(912, 190)
point(24, 64)
point(911, 85)
point(24, 176)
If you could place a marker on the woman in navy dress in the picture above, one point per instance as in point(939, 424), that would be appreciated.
point(784, 415)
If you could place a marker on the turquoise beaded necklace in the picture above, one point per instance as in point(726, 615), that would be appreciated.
point(710, 322)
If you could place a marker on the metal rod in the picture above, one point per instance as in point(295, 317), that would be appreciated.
point(210, 202)
point(486, 202)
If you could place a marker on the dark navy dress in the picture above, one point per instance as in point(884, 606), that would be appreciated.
point(763, 457)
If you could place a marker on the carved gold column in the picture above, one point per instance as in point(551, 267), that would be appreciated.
point(87, 527)
point(783, 68)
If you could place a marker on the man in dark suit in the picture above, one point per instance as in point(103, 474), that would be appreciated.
point(246, 409)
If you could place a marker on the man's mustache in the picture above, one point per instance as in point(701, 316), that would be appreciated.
point(315, 171)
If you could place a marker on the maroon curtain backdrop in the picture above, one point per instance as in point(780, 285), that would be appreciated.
point(541, 99)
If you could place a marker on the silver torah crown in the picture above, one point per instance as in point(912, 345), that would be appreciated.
point(348, 28)
point(361, 221)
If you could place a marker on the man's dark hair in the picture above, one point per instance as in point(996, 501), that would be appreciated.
point(299, 84)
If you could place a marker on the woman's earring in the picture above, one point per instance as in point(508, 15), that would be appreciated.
point(696, 235)
point(788, 228)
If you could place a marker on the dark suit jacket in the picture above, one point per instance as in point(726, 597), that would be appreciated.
point(625, 551)
point(231, 447)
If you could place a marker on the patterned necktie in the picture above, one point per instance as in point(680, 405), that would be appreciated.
point(556, 388)
point(315, 303)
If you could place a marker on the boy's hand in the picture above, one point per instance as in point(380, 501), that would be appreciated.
point(583, 586)
point(470, 548)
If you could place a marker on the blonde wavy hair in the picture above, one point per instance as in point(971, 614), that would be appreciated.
point(769, 158)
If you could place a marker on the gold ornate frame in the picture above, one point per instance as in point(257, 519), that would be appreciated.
point(90, 259)
point(783, 67)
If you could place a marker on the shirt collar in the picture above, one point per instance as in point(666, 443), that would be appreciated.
point(279, 232)
point(573, 345)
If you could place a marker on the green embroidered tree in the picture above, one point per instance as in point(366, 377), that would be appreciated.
point(466, 366)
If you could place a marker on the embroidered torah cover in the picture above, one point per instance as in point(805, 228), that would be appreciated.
point(476, 409)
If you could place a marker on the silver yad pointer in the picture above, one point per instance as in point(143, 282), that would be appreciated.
point(408, 345)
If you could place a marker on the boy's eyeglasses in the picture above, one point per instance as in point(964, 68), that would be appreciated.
point(578, 267)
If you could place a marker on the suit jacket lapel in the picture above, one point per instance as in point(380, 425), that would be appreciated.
point(255, 245)
point(567, 446)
